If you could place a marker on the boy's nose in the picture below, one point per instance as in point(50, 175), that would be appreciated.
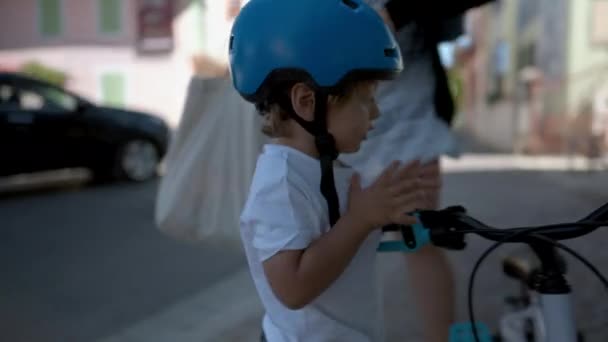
point(375, 113)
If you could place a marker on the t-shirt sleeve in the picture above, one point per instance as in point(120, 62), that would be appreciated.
point(282, 218)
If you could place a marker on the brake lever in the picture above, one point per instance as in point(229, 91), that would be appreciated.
point(443, 227)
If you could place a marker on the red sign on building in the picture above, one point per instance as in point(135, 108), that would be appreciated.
point(155, 26)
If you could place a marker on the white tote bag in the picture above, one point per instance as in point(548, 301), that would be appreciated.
point(209, 165)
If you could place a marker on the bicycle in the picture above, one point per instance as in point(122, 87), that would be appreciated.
point(545, 313)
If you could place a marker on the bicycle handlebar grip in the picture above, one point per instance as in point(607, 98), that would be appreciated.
point(409, 238)
point(441, 229)
point(448, 240)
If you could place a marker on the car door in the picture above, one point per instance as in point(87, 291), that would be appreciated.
point(16, 132)
point(56, 127)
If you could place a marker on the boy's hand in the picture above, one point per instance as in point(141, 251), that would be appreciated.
point(430, 185)
point(396, 192)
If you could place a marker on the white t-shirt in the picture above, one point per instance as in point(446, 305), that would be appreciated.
point(286, 211)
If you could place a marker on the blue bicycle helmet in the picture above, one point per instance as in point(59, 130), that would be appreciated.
point(324, 42)
point(329, 40)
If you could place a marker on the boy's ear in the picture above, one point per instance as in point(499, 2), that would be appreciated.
point(303, 101)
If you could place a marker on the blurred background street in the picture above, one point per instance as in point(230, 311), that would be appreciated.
point(91, 93)
point(81, 263)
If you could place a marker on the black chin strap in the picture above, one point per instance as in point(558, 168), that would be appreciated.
point(326, 146)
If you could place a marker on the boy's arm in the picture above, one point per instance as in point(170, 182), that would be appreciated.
point(298, 277)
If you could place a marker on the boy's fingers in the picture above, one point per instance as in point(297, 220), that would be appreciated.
point(410, 170)
point(413, 166)
point(429, 183)
point(409, 201)
point(425, 203)
point(388, 173)
point(405, 186)
point(405, 219)
point(355, 183)
point(432, 174)
point(431, 169)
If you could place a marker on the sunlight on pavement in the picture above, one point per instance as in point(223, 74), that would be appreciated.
point(504, 162)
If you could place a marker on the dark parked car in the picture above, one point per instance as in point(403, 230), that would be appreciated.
point(44, 127)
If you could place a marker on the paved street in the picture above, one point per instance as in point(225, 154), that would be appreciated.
point(517, 198)
point(78, 264)
point(85, 264)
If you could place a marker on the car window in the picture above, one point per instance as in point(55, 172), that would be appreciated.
point(31, 101)
point(59, 98)
point(45, 98)
point(9, 99)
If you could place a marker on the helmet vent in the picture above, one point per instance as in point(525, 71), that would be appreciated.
point(351, 3)
point(231, 43)
point(390, 53)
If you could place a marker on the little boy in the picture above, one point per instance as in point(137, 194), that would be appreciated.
point(310, 229)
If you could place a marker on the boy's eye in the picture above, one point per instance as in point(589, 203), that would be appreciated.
point(370, 104)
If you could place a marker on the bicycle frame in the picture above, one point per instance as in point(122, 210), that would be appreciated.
point(513, 326)
point(552, 321)
point(554, 294)
point(558, 318)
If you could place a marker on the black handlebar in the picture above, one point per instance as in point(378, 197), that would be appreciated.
point(448, 227)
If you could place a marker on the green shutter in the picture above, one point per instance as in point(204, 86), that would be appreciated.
point(110, 16)
point(113, 89)
point(198, 27)
point(50, 17)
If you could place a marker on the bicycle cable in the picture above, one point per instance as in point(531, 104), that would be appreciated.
point(520, 232)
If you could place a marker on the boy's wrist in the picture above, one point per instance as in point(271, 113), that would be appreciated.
point(358, 222)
